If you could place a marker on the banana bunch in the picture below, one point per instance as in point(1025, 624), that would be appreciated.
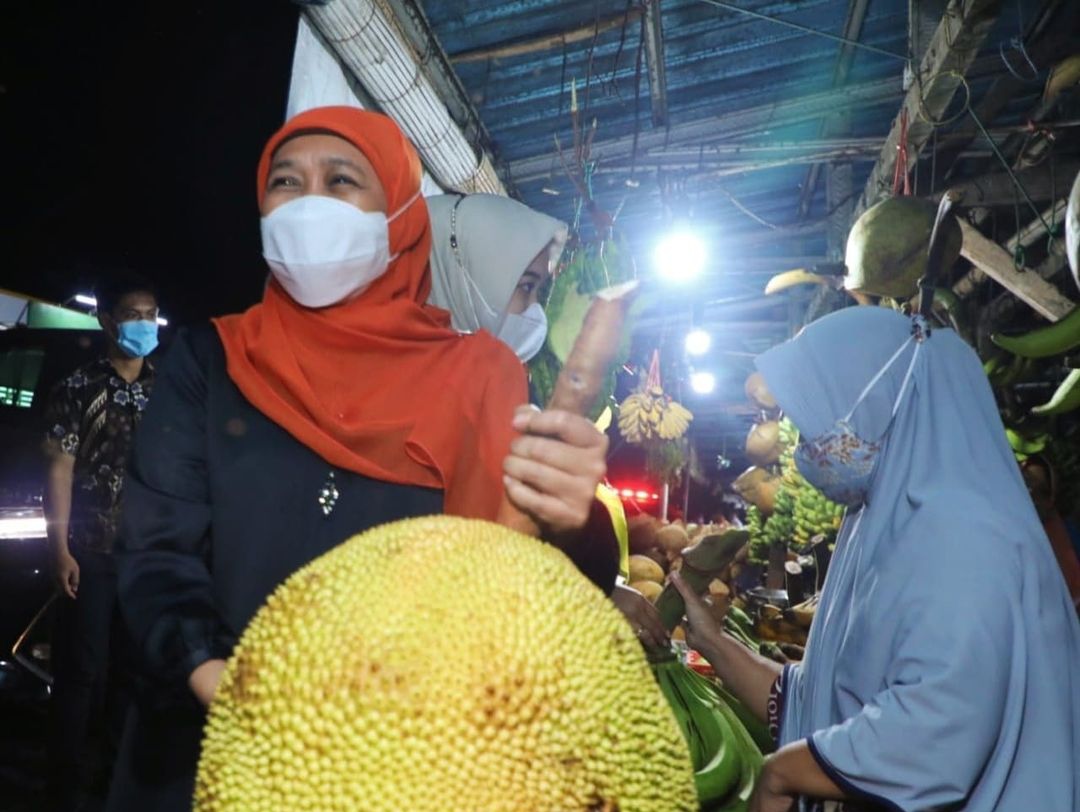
point(814, 515)
point(726, 759)
point(789, 438)
point(758, 551)
point(801, 513)
point(651, 415)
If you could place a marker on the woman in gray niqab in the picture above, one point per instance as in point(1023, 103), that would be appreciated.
point(943, 666)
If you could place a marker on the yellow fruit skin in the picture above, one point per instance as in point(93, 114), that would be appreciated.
point(650, 589)
point(372, 679)
point(643, 568)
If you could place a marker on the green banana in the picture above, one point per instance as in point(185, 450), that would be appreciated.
point(1016, 372)
point(739, 633)
point(726, 758)
point(750, 758)
point(1024, 445)
point(714, 747)
point(992, 366)
point(758, 730)
point(1054, 339)
point(1065, 399)
point(741, 619)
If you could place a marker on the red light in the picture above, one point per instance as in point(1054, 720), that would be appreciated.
point(636, 493)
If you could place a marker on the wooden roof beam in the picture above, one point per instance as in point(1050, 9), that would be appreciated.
point(654, 60)
point(1026, 285)
point(950, 53)
point(1042, 183)
point(546, 42)
point(1024, 238)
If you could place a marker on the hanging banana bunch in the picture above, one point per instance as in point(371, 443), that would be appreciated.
point(649, 415)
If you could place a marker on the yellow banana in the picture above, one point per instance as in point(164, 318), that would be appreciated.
point(789, 279)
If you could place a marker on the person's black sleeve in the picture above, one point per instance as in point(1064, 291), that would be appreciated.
point(595, 551)
point(164, 581)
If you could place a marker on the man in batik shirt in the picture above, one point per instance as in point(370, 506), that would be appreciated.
point(91, 418)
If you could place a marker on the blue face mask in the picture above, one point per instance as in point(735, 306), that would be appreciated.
point(137, 338)
point(840, 463)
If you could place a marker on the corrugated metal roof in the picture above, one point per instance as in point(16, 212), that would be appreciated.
point(747, 99)
point(736, 77)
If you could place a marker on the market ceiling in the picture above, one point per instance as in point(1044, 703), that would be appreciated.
point(138, 130)
point(737, 132)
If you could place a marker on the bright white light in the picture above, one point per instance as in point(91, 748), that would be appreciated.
point(698, 342)
point(703, 382)
point(23, 524)
point(680, 256)
point(162, 322)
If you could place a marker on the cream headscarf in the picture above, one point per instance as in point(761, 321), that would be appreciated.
point(496, 239)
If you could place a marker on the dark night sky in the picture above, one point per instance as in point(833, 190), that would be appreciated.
point(132, 138)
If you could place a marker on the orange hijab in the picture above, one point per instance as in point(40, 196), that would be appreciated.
point(380, 384)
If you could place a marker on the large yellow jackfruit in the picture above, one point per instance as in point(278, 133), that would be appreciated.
point(372, 681)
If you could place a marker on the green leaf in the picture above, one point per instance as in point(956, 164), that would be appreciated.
point(564, 330)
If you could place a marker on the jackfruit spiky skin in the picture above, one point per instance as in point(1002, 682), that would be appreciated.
point(441, 664)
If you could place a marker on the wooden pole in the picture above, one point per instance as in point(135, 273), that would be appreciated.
point(1025, 237)
point(1026, 285)
point(547, 41)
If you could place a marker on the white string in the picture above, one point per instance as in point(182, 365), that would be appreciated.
point(907, 377)
point(876, 378)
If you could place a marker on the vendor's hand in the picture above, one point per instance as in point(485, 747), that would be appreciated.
point(204, 680)
point(643, 617)
point(66, 573)
point(701, 626)
point(769, 795)
point(552, 470)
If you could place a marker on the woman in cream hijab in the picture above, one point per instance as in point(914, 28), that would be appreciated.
point(490, 256)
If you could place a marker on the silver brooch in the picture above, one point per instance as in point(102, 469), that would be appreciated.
point(328, 495)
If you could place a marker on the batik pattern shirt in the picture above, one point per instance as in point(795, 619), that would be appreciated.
point(92, 416)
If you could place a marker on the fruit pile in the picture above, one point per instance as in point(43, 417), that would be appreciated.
point(657, 550)
point(799, 512)
point(712, 568)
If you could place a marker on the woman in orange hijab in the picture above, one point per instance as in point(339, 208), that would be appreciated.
point(338, 403)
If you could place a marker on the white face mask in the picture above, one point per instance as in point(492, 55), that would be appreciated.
point(525, 333)
point(323, 250)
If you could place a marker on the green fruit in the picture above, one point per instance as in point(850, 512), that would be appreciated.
point(1065, 399)
point(887, 247)
point(1054, 339)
